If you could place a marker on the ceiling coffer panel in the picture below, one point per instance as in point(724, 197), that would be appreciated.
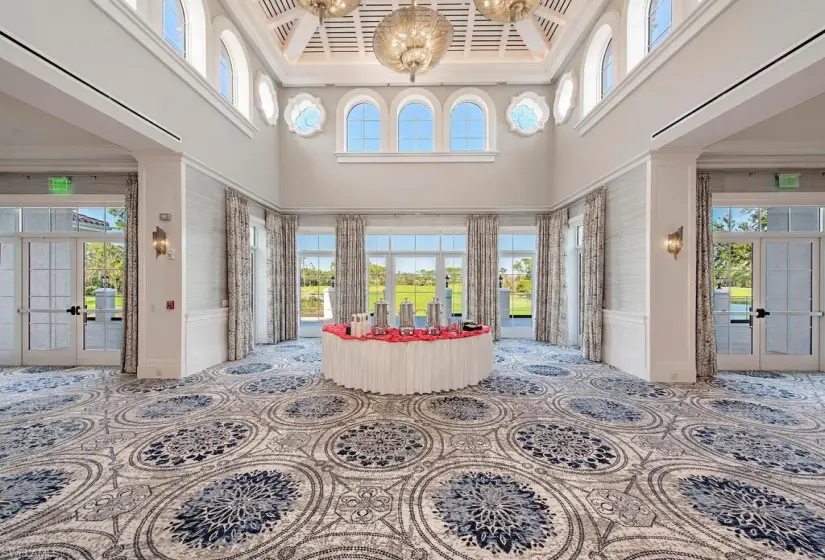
point(342, 34)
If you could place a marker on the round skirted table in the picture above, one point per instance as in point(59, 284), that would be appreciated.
point(402, 365)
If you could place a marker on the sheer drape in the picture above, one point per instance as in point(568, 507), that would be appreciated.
point(239, 274)
point(482, 271)
point(551, 287)
point(350, 268)
point(593, 272)
point(706, 364)
point(282, 306)
point(129, 346)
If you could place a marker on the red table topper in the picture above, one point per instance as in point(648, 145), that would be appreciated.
point(340, 330)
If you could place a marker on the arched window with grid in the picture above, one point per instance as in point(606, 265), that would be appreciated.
point(468, 128)
point(364, 128)
point(416, 132)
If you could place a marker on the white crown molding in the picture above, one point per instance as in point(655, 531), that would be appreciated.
point(629, 165)
point(755, 154)
point(221, 178)
point(759, 162)
point(77, 158)
point(131, 22)
point(701, 17)
point(417, 157)
point(451, 211)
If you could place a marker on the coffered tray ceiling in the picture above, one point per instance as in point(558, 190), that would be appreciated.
point(482, 51)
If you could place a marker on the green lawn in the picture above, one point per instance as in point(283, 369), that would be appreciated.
point(520, 304)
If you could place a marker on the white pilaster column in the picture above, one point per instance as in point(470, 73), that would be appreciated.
point(671, 282)
point(161, 331)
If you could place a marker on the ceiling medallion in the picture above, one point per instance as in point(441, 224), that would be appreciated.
point(506, 10)
point(412, 40)
point(329, 8)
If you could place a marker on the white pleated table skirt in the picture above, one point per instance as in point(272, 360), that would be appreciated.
point(405, 368)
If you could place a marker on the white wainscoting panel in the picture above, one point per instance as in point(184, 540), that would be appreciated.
point(207, 336)
point(624, 342)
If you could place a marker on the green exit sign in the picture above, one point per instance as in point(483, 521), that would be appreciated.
point(787, 180)
point(60, 185)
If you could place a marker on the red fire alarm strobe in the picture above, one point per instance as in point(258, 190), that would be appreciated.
point(170, 305)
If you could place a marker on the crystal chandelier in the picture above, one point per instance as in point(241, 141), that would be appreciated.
point(412, 39)
point(506, 10)
point(329, 8)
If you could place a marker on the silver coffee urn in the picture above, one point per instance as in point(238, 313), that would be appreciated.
point(406, 318)
point(434, 310)
point(381, 315)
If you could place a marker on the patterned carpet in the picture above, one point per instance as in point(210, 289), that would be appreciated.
point(552, 458)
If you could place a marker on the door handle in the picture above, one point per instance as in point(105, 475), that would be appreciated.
point(73, 310)
point(761, 313)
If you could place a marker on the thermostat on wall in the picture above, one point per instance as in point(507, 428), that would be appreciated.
point(165, 217)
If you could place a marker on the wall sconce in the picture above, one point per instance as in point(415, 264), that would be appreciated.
point(674, 242)
point(159, 241)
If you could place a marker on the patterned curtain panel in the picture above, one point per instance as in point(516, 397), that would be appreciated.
point(350, 268)
point(706, 365)
point(482, 271)
point(593, 272)
point(129, 347)
point(551, 288)
point(239, 274)
point(282, 308)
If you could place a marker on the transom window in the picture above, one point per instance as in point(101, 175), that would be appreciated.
point(227, 74)
point(59, 219)
point(468, 128)
point(775, 219)
point(415, 128)
point(174, 25)
point(659, 20)
point(607, 69)
point(364, 128)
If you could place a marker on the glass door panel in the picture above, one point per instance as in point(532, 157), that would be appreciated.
point(101, 302)
point(377, 278)
point(415, 280)
point(9, 317)
point(49, 332)
point(791, 303)
point(317, 292)
point(516, 293)
point(454, 269)
point(733, 304)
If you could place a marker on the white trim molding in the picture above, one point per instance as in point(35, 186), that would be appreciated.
point(536, 102)
point(266, 99)
point(413, 95)
point(206, 339)
point(136, 26)
point(624, 344)
point(350, 100)
point(606, 31)
point(559, 115)
point(682, 33)
point(480, 98)
point(416, 157)
point(223, 30)
point(294, 108)
point(102, 158)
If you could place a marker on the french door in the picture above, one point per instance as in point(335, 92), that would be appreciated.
point(417, 277)
point(72, 300)
point(767, 303)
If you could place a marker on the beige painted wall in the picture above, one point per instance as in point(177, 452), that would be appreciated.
point(312, 179)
